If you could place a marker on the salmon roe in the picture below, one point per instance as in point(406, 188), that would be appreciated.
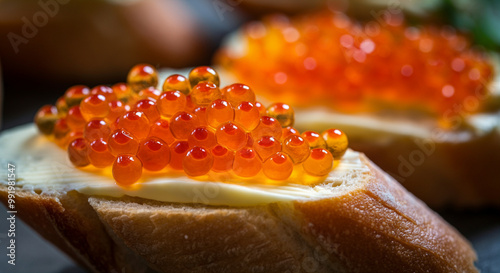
point(142, 76)
point(352, 66)
point(195, 130)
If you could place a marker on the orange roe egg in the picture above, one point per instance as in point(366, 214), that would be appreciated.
point(336, 142)
point(246, 163)
point(314, 139)
point(268, 126)
point(75, 94)
point(75, 119)
point(149, 93)
point(288, 131)
point(190, 106)
point(283, 113)
point(231, 136)
point(96, 129)
point(267, 146)
point(161, 129)
point(237, 93)
point(72, 135)
point(62, 107)
point(154, 154)
point(278, 166)
point(77, 152)
point(261, 108)
point(122, 91)
point(219, 112)
point(171, 102)
point(319, 163)
point(198, 161)
point(204, 93)
point(106, 91)
point(99, 154)
point(122, 142)
point(177, 82)
point(61, 130)
point(297, 148)
point(223, 159)
point(94, 106)
point(127, 169)
point(203, 74)
point(247, 116)
point(136, 123)
point(148, 107)
point(201, 113)
point(178, 151)
point(182, 124)
point(46, 118)
point(116, 109)
point(202, 137)
point(142, 76)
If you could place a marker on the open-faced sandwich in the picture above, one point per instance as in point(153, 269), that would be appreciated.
point(197, 178)
point(419, 101)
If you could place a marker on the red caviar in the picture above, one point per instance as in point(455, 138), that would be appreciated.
point(246, 163)
point(178, 151)
point(177, 82)
point(297, 148)
point(198, 161)
point(154, 154)
point(268, 126)
point(202, 137)
point(127, 169)
point(99, 154)
point(231, 136)
point(161, 129)
point(237, 93)
point(142, 76)
point(223, 159)
point(319, 163)
point(182, 124)
point(148, 107)
point(136, 123)
point(94, 106)
point(203, 74)
point(247, 115)
point(199, 133)
point(219, 112)
point(204, 93)
point(278, 166)
point(267, 146)
point(96, 129)
point(171, 102)
point(432, 69)
point(75, 94)
point(46, 118)
point(77, 152)
point(122, 142)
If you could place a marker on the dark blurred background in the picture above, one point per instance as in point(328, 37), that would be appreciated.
point(48, 45)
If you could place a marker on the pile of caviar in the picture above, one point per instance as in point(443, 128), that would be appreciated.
point(190, 125)
point(329, 59)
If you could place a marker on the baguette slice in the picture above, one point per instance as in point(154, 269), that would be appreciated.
point(364, 222)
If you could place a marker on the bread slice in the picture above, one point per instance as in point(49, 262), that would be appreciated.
point(361, 221)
